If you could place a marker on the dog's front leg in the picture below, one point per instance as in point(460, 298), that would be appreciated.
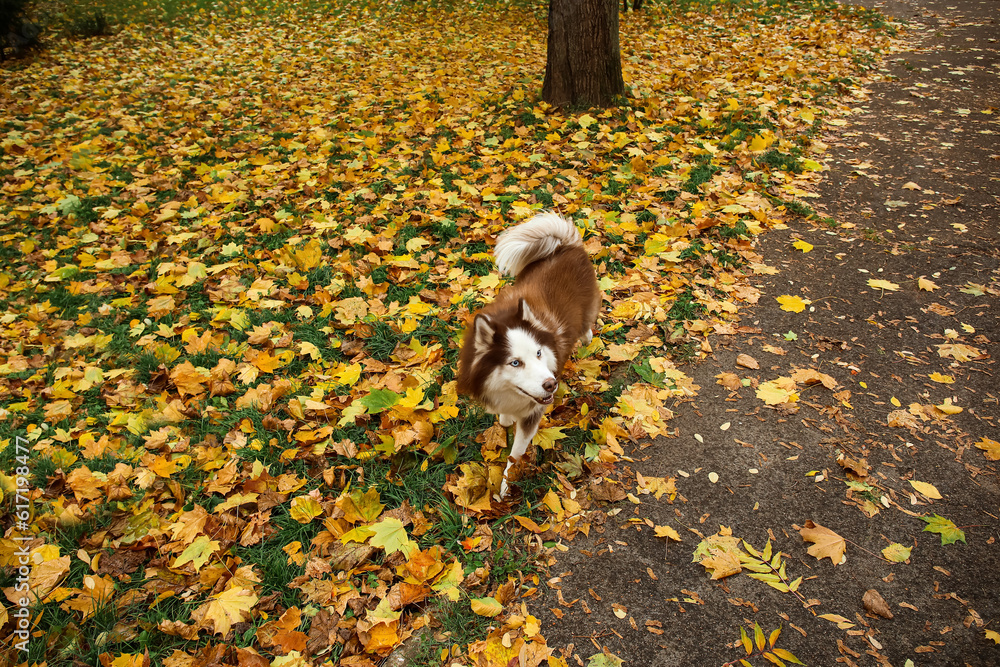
point(526, 429)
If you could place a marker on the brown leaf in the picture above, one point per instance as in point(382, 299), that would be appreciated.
point(607, 491)
point(809, 376)
point(747, 361)
point(876, 604)
point(730, 381)
point(857, 467)
point(248, 657)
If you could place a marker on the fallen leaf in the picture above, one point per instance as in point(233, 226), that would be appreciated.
point(991, 448)
point(925, 489)
point(231, 606)
point(720, 555)
point(777, 392)
point(826, 543)
point(897, 553)
point(883, 284)
point(842, 623)
point(959, 351)
point(926, 285)
point(666, 531)
point(876, 604)
point(947, 407)
point(791, 303)
point(604, 660)
point(946, 528)
point(730, 381)
point(486, 607)
point(390, 534)
point(197, 553)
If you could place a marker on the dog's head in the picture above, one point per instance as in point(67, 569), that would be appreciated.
point(517, 355)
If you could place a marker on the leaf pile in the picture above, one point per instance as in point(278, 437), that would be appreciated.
point(239, 253)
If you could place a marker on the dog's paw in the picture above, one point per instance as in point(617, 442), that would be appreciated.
point(504, 489)
point(506, 420)
point(587, 337)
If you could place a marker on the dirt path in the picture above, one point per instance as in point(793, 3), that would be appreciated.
point(915, 184)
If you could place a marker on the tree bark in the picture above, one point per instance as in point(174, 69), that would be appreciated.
point(584, 66)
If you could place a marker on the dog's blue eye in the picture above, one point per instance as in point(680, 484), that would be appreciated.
point(515, 363)
point(539, 354)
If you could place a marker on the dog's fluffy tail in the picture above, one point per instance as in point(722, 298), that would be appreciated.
point(535, 239)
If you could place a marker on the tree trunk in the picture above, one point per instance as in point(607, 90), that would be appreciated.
point(584, 66)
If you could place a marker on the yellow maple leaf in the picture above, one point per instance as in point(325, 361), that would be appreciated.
point(309, 349)
point(418, 307)
point(720, 554)
point(46, 575)
point(348, 374)
point(760, 142)
point(546, 437)
point(56, 411)
point(944, 379)
point(351, 310)
point(777, 391)
point(471, 489)
point(96, 592)
point(165, 466)
point(804, 246)
point(793, 304)
point(826, 543)
point(160, 306)
point(309, 256)
point(991, 448)
point(667, 531)
point(878, 283)
point(267, 363)
point(623, 351)
point(381, 637)
point(391, 535)
point(188, 379)
point(958, 351)
point(226, 608)
point(304, 509)
point(926, 285)
point(197, 553)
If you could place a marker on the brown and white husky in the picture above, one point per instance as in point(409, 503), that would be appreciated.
point(517, 346)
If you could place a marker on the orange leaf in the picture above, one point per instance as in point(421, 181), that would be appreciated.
point(826, 543)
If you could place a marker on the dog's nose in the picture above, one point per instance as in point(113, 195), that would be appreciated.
point(550, 385)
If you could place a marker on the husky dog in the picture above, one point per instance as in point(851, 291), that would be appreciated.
point(517, 346)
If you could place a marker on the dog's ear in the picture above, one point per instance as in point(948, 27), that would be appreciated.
point(528, 316)
point(484, 330)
